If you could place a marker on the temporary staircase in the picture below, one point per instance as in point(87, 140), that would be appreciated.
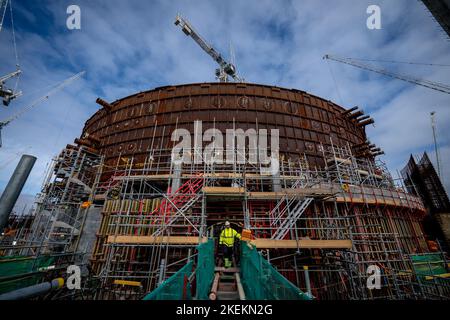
point(177, 204)
point(227, 285)
point(289, 219)
point(113, 182)
point(254, 279)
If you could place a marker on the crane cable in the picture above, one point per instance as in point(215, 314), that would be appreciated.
point(3, 14)
point(15, 155)
point(12, 28)
point(37, 101)
point(14, 44)
point(421, 82)
point(42, 98)
point(335, 83)
point(403, 62)
point(16, 55)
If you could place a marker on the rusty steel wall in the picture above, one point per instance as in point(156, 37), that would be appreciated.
point(129, 126)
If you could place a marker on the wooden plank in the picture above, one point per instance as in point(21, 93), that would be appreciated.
point(153, 240)
point(442, 276)
point(265, 195)
point(128, 283)
point(100, 197)
point(223, 190)
point(310, 192)
point(145, 177)
point(378, 201)
point(259, 243)
point(303, 243)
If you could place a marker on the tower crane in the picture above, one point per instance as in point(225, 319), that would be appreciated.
point(421, 82)
point(57, 88)
point(226, 69)
point(8, 94)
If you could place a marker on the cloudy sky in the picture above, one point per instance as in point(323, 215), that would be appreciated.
point(130, 46)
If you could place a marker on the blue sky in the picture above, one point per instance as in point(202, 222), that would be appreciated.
point(130, 46)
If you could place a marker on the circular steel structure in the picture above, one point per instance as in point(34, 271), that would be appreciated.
point(133, 125)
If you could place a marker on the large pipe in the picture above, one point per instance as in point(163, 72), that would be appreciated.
point(32, 291)
point(356, 114)
point(104, 104)
point(365, 123)
point(82, 142)
point(363, 118)
point(348, 111)
point(14, 187)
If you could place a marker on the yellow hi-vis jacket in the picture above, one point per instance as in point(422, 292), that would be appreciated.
point(227, 237)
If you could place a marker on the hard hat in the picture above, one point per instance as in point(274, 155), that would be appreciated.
point(227, 223)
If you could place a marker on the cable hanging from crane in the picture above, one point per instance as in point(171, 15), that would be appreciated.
point(57, 88)
point(6, 93)
point(421, 82)
point(402, 62)
point(226, 69)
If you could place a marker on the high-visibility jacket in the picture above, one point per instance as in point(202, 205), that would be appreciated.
point(227, 237)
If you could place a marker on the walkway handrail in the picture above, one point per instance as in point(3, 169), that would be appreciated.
point(261, 281)
point(177, 287)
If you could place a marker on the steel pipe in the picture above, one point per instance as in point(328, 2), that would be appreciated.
point(33, 291)
point(365, 123)
point(14, 187)
point(104, 104)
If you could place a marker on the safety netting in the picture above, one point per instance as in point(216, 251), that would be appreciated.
point(177, 287)
point(205, 269)
point(261, 281)
point(429, 266)
point(21, 271)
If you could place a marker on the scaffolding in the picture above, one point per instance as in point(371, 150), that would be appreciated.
point(336, 222)
point(54, 227)
point(323, 229)
point(62, 204)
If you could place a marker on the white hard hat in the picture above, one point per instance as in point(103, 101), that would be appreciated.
point(227, 223)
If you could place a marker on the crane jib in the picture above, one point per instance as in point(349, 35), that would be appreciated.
point(441, 87)
point(225, 68)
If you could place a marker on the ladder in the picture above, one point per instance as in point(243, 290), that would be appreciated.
point(181, 200)
point(288, 199)
point(227, 285)
point(291, 219)
point(110, 183)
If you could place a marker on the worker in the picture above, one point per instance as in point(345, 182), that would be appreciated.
point(226, 240)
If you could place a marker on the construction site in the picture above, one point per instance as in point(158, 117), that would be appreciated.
point(331, 223)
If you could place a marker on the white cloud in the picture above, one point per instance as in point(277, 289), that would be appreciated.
point(130, 46)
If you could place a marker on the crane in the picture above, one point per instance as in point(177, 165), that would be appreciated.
point(421, 82)
point(58, 87)
point(226, 69)
point(9, 94)
point(5, 93)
